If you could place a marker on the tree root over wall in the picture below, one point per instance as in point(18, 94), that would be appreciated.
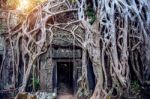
point(120, 28)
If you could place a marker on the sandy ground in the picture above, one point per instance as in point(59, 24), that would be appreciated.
point(65, 96)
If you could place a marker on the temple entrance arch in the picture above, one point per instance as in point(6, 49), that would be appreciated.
point(65, 76)
point(67, 62)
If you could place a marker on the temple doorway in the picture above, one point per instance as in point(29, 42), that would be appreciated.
point(65, 77)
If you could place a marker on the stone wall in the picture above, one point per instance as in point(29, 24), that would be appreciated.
point(2, 30)
point(1, 46)
point(48, 67)
point(46, 72)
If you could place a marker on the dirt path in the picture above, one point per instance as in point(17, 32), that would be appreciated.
point(65, 96)
point(65, 92)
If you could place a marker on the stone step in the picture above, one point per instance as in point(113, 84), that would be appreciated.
point(66, 96)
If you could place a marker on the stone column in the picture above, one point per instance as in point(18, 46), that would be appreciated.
point(46, 72)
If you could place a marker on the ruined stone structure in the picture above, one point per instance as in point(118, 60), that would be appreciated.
point(2, 29)
point(66, 65)
point(93, 48)
point(59, 68)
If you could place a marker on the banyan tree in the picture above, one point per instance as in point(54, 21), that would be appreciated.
point(95, 48)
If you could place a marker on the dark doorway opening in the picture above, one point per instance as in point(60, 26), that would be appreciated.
point(65, 77)
point(1, 59)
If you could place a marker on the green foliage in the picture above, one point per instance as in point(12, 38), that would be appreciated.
point(83, 93)
point(108, 97)
point(2, 86)
point(72, 1)
point(1, 27)
point(91, 15)
point(135, 87)
point(35, 83)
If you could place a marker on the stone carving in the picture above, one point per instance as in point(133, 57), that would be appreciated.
point(66, 53)
point(63, 39)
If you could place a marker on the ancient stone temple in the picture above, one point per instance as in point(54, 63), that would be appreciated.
point(57, 70)
point(66, 56)
point(66, 64)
